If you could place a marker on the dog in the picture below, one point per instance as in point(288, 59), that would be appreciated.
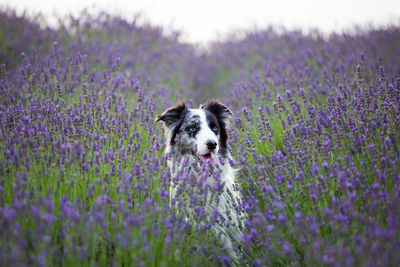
point(198, 138)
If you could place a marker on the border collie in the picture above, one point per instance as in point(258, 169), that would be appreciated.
point(198, 137)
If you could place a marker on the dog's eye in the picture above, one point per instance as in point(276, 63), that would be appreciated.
point(215, 129)
point(192, 129)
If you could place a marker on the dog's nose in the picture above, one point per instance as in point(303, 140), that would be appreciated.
point(211, 145)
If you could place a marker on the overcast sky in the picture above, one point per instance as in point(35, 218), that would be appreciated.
point(206, 20)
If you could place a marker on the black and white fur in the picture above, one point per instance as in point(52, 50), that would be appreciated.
point(201, 135)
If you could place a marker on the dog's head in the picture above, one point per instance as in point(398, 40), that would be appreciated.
point(201, 131)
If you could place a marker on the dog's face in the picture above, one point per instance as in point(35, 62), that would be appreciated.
point(201, 131)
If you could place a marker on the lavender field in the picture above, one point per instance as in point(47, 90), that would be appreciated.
point(83, 176)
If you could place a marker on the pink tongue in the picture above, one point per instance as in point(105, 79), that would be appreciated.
point(208, 159)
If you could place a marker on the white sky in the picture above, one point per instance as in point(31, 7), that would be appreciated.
point(207, 20)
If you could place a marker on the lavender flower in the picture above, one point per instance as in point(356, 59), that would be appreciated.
point(82, 173)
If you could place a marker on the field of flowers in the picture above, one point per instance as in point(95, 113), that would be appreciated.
point(83, 176)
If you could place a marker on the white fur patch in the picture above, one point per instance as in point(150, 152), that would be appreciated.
point(205, 134)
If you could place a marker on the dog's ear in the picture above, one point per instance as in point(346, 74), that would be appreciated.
point(172, 115)
point(223, 113)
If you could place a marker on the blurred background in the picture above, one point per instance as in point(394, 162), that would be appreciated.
point(205, 21)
